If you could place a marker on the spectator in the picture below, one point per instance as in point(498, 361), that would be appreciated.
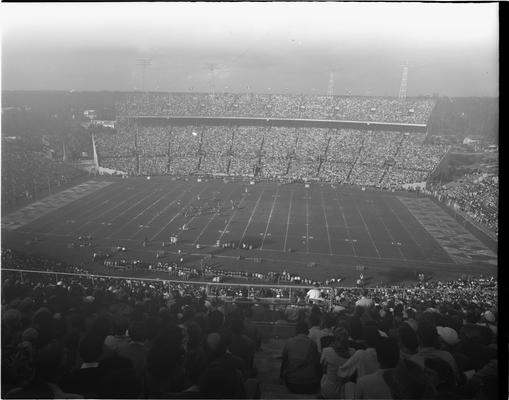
point(300, 367)
point(135, 350)
point(429, 348)
point(409, 381)
point(325, 334)
point(408, 341)
point(374, 386)
point(332, 358)
point(118, 379)
point(48, 363)
point(362, 362)
point(364, 301)
point(241, 345)
point(85, 381)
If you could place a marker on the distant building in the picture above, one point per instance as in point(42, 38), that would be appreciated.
point(90, 114)
point(106, 124)
point(470, 141)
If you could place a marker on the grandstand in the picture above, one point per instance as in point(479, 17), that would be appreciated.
point(328, 138)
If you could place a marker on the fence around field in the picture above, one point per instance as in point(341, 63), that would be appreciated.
point(208, 284)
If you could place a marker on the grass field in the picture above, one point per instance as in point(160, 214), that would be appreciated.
point(288, 225)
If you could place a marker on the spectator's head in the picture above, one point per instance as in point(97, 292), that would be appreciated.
point(195, 334)
point(102, 325)
point(120, 326)
point(301, 328)
point(355, 328)
point(49, 361)
point(371, 335)
point(42, 320)
point(314, 319)
point(237, 326)
point(329, 320)
point(408, 339)
point(220, 382)
point(472, 317)
point(215, 345)
point(11, 319)
point(408, 381)
point(216, 321)
point(445, 380)
point(165, 356)
point(30, 335)
point(427, 334)
point(340, 342)
point(448, 336)
point(137, 331)
point(387, 352)
point(91, 347)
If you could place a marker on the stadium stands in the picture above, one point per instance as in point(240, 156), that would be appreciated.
point(412, 111)
point(27, 174)
point(366, 158)
point(426, 340)
point(475, 194)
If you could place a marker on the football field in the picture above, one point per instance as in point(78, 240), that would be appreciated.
point(336, 229)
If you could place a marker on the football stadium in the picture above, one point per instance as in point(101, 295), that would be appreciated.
point(249, 244)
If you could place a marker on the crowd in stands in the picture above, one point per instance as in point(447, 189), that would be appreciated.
point(245, 150)
point(78, 337)
point(475, 194)
point(26, 174)
point(349, 108)
point(368, 158)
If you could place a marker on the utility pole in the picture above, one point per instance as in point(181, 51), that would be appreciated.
point(330, 88)
point(144, 63)
point(402, 87)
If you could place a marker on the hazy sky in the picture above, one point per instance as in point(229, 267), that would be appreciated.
point(450, 48)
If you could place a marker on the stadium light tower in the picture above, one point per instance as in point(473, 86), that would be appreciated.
point(330, 88)
point(402, 87)
point(144, 63)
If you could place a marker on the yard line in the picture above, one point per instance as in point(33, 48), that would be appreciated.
point(132, 206)
point(244, 197)
point(326, 225)
point(307, 222)
point(346, 226)
point(141, 213)
point(71, 213)
point(211, 219)
point(405, 228)
point(251, 217)
point(177, 214)
point(288, 220)
point(440, 264)
point(159, 213)
point(270, 217)
point(106, 211)
point(390, 235)
point(367, 230)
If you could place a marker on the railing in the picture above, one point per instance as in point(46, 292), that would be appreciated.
point(208, 284)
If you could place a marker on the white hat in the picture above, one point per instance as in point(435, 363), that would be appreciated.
point(448, 335)
point(489, 316)
point(89, 299)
